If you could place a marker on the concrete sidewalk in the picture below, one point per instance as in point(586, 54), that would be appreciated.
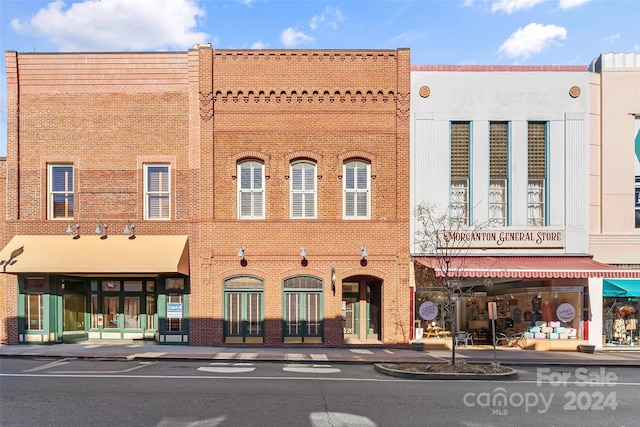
point(135, 350)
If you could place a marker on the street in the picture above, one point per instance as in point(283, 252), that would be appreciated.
point(74, 392)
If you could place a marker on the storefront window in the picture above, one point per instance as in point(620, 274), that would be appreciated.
point(620, 321)
point(34, 303)
point(33, 311)
point(174, 312)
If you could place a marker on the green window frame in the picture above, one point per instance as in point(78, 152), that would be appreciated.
point(303, 307)
point(243, 307)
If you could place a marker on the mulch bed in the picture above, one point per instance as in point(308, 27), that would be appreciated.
point(459, 368)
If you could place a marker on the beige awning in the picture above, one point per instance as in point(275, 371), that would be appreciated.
point(91, 254)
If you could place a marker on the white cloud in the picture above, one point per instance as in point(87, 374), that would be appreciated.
point(568, 4)
point(292, 38)
point(259, 45)
point(331, 17)
point(109, 25)
point(612, 38)
point(511, 6)
point(313, 24)
point(532, 39)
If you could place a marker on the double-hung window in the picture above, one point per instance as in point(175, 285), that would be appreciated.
point(303, 190)
point(459, 191)
point(157, 191)
point(251, 190)
point(357, 195)
point(537, 171)
point(498, 172)
point(61, 194)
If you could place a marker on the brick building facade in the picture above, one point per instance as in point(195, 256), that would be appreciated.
point(212, 154)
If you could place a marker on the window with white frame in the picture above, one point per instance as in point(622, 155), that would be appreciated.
point(157, 191)
point(61, 194)
point(537, 173)
point(356, 190)
point(251, 190)
point(498, 172)
point(459, 190)
point(303, 190)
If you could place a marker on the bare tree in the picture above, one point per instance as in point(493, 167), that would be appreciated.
point(446, 239)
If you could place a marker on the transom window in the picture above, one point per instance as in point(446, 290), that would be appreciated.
point(303, 190)
point(459, 191)
point(498, 171)
point(157, 191)
point(251, 190)
point(537, 170)
point(61, 194)
point(356, 190)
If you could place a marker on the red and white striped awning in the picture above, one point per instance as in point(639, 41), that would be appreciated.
point(526, 267)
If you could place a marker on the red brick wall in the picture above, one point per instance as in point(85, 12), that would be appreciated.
point(202, 111)
point(327, 106)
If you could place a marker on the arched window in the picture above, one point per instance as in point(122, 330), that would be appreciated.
point(251, 190)
point(303, 190)
point(356, 190)
point(244, 309)
point(303, 309)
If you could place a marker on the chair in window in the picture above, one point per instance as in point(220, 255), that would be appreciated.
point(463, 339)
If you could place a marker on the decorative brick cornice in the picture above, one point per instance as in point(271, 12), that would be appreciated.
point(206, 106)
point(402, 107)
point(302, 96)
point(363, 56)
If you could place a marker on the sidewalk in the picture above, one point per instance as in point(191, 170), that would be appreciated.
point(134, 350)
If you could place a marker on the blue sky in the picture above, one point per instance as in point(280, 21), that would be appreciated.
point(483, 32)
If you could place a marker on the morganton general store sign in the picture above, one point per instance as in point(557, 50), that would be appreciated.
point(503, 238)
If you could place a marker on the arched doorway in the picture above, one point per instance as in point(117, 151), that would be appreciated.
point(361, 309)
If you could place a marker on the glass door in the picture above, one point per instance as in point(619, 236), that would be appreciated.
point(74, 311)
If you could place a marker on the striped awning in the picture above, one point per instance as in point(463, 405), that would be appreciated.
point(529, 267)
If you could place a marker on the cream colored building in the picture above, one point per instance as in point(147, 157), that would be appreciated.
point(615, 189)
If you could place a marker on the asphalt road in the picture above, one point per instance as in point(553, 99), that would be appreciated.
point(188, 393)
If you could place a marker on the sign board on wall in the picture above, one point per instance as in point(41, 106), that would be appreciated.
point(503, 238)
point(174, 310)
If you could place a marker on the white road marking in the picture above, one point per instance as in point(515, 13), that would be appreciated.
point(122, 371)
point(228, 368)
point(313, 369)
point(388, 351)
point(48, 366)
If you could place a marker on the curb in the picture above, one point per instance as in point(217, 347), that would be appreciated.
point(446, 376)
